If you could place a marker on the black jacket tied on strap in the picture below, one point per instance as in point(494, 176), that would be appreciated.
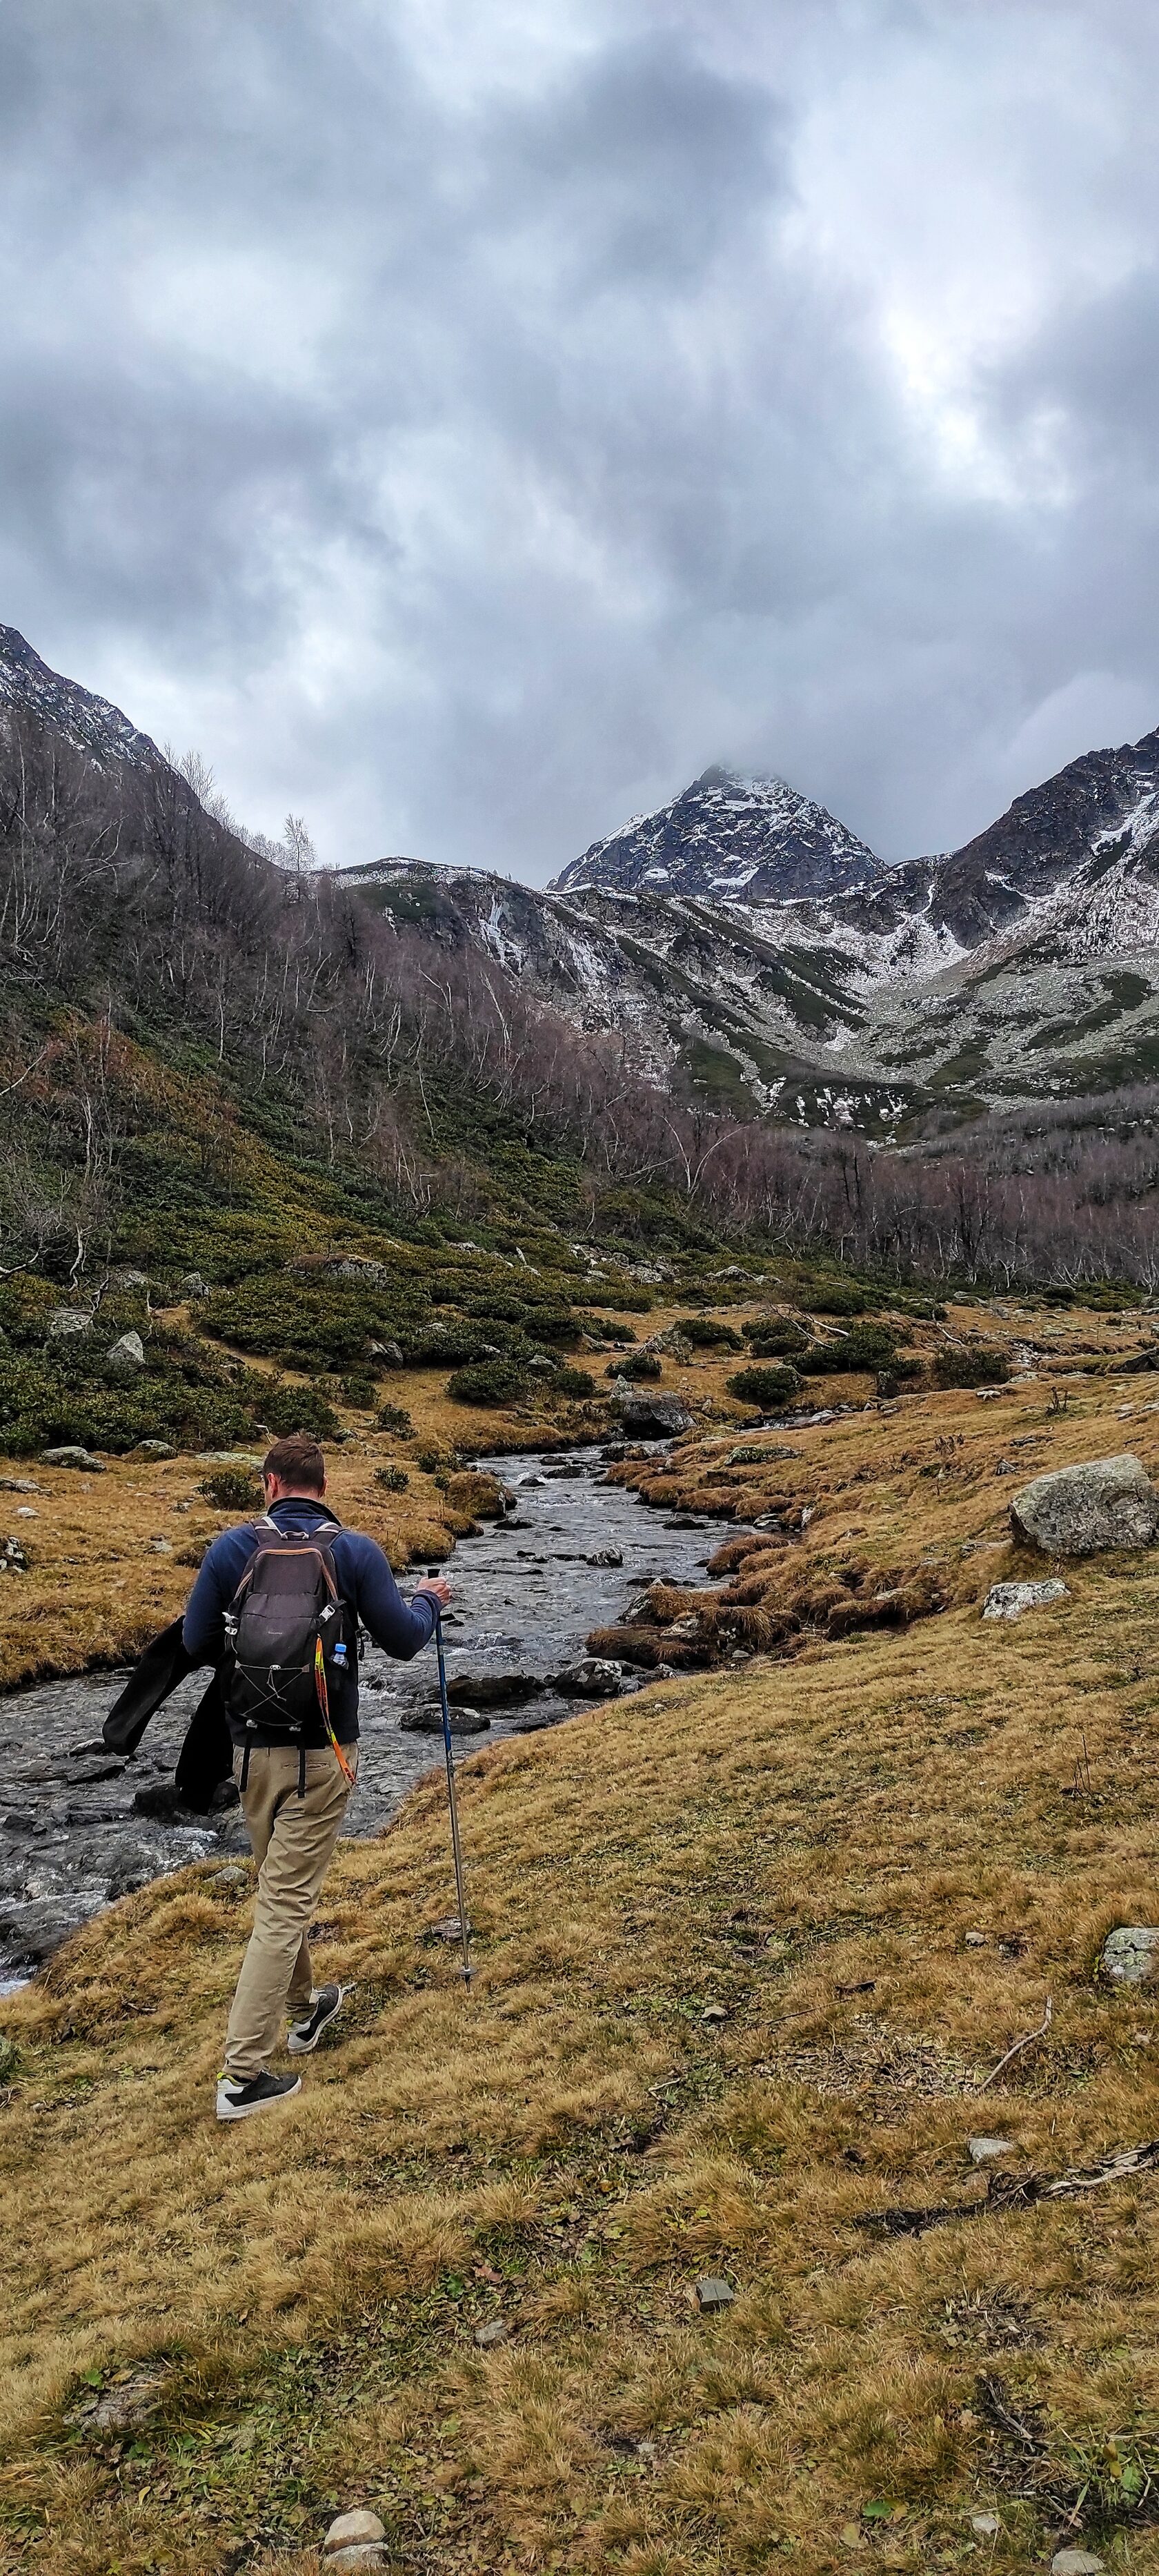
point(206, 1756)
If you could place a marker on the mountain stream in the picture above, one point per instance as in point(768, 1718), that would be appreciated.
point(80, 1827)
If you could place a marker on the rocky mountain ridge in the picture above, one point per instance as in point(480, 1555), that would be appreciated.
point(1021, 966)
point(756, 953)
point(91, 724)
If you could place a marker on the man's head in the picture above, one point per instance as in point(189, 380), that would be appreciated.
point(294, 1466)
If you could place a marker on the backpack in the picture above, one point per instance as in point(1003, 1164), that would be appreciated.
point(290, 1634)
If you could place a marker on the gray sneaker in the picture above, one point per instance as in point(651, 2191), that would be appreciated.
point(238, 2100)
point(305, 2034)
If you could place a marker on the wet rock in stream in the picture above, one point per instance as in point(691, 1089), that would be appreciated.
point(79, 1828)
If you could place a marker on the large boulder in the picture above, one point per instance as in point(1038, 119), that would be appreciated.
point(1110, 1502)
point(651, 1417)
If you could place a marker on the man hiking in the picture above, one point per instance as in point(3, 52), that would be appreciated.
point(281, 1599)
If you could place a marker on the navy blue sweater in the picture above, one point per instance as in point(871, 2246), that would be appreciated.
point(364, 1580)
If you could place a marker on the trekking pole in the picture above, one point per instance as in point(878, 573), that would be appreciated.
point(456, 1846)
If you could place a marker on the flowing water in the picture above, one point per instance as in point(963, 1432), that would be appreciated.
point(80, 1827)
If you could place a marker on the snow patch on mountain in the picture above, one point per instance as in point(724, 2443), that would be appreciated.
point(89, 723)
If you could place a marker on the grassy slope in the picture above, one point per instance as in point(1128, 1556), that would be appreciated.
point(810, 1844)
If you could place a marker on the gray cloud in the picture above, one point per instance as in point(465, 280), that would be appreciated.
point(467, 424)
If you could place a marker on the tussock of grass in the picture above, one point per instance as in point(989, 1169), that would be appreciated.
point(878, 1859)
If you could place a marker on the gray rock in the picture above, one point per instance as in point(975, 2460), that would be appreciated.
point(153, 1449)
point(986, 2525)
point(428, 1721)
point(354, 2528)
point(119, 2409)
point(493, 1690)
point(1130, 1954)
point(126, 1355)
point(1076, 2562)
point(607, 1556)
point(713, 2294)
point(12, 1557)
point(71, 1455)
point(489, 2335)
point(364, 2554)
point(1011, 1600)
point(984, 2150)
point(597, 1677)
point(132, 1282)
point(1077, 1511)
point(66, 1321)
point(192, 1285)
point(19, 1485)
point(650, 1417)
point(388, 1352)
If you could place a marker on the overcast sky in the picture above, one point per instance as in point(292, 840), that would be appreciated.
point(464, 420)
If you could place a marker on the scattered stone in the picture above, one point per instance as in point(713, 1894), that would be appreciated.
point(1078, 1511)
point(712, 2294)
point(193, 1285)
point(354, 2529)
point(428, 1721)
point(1130, 1954)
point(364, 2554)
point(12, 1557)
point(232, 1880)
point(651, 1417)
point(975, 1940)
point(1076, 2562)
point(450, 1929)
point(984, 2150)
point(986, 2525)
point(606, 1556)
point(161, 1546)
point(597, 1677)
point(489, 2335)
point(119, 2409)
point(126, 1355)
point(493, 1690)
point(66, 1321)
point(990, 1394)
point(1011, 1600)
point(153, 1449)
point(19, 1485)
point(73, 1456)
point(714, 2013)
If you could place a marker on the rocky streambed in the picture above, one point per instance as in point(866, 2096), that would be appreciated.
point(78, 1827)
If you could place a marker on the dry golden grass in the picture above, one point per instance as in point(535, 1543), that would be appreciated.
point(878, 1859)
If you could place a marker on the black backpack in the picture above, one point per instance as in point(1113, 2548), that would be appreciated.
point(290, 1636)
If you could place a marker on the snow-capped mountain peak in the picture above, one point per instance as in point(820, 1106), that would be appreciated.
point(750, 837)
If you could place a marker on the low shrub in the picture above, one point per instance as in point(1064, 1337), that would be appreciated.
point(981, 1365)
point(570, 1381)
point(621, 1334)
point(768, 1387)
point(488, 1382)
point(393, 1480)
point(707, 1333)
point(639, 1364)
point(231, 1489)
point(864, 1347)
point(300, 1408)
point(836, 1297)
point(394, 1417)
point(359, 1388)
point(774, 1337)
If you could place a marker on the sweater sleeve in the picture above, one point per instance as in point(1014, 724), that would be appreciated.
point(401, 1628)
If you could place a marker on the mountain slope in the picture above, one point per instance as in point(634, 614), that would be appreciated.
point(89, 723)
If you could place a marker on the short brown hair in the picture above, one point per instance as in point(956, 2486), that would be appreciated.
point(296, 1460)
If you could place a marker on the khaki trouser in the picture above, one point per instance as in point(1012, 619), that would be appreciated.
point(293, 1839)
